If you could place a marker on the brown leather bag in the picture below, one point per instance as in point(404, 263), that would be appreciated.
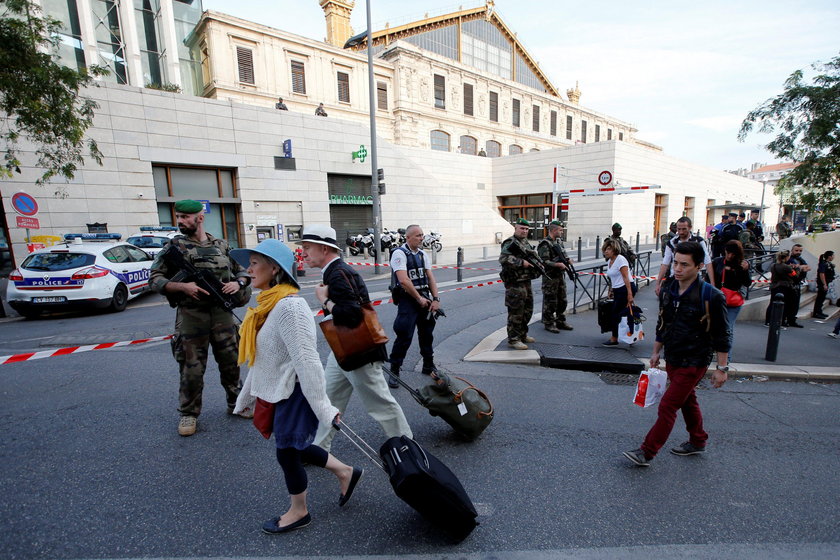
point(264, 417)
point(347, 342)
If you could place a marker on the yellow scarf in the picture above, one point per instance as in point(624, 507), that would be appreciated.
point(255, 318)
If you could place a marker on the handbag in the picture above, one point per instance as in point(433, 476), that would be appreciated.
point(348, 342)
point(734, 298)
point(264, 417)
point(650, 387)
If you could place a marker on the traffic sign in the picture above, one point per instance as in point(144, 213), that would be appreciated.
point(27, 222)
point(605, 178)
point(24, 204)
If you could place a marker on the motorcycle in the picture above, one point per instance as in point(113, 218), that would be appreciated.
point(389, 241)
point(432, 241)
point(401, 239)
point(354, 243)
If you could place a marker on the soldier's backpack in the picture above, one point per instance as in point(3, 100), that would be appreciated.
point(729, 232)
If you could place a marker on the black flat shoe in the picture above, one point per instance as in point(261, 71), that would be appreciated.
point(354, 480)
point(270, 527)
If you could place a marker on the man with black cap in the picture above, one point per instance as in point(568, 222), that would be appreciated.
point(341, 293)
point(199, 321)
point(554, 257)
point(517, 274)
point(624, 246)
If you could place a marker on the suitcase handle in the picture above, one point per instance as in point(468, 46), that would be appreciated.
point(481, 393)
point(374, 458)
point(411, 390)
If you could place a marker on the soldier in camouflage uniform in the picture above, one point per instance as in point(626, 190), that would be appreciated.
point(517, 274)
point(554, 257)
point(199, 322)
point(624, 246)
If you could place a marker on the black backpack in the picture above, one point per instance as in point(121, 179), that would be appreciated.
point(729, 232)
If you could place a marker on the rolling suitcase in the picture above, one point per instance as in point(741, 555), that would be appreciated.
point(605, 314)
point(423, 482)
point(461, 404)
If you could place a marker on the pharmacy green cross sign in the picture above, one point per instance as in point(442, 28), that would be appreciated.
point(361, 154)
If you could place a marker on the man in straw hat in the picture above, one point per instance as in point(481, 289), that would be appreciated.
point(341, 293)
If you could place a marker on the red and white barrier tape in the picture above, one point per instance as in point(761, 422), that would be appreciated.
point(75, 350)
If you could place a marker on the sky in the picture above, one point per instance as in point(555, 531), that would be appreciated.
point(685, 74)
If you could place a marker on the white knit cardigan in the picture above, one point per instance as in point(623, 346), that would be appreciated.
point(286, 352)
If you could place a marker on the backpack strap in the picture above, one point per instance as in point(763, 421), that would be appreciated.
point(706, 297)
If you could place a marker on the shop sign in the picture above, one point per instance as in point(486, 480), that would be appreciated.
point(358, 200)
point(361, 154)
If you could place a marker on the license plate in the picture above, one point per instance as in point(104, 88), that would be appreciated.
point(49, 299)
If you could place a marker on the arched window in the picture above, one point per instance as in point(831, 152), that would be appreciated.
point(514, 149)
point(440, 140)
point(469, 145)
point(494, 149)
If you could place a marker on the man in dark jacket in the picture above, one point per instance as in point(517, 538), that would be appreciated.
point(341, 293)
point(692, 326)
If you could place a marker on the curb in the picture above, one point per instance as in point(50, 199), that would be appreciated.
point(485, 351)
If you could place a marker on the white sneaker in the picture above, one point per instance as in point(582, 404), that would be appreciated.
point(833, 335)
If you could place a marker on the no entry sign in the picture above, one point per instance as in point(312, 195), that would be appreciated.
point(24, 204)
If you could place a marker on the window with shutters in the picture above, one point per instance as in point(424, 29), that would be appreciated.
point(494, 106)
point(469, 145)
point(382, 96)
point(515, 119)
point(597, 132)
point(440, 141)
point(569, 125)
point(298, 77)
point(440, 92)
point(468, 99)
point(583, 131)
point(535, 121)
point(553, 123)
point(245, 63)
point(494, 149)
point(343, 87)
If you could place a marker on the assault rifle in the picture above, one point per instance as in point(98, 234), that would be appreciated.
point(560, 257)
point(204, 279)
point(532, 257)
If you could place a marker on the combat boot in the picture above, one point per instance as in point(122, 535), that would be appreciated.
point(517, 345)
point(565, 327)
point(551, 328)
point(186, 426)
point(429, 367)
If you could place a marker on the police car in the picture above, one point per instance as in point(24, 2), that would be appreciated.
point(87, 271)
point(152, 238)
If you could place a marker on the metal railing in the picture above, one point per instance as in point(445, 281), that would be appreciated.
point(591, 283)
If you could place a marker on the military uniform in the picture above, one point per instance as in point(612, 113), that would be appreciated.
point(553, 286)
point(202, 323)
point(519, 299)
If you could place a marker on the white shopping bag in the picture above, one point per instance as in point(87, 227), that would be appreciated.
point(630, 331)
point(650, 387)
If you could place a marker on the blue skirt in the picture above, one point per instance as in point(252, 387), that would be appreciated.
point(294, 422)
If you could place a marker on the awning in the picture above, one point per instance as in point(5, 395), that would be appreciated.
point(735, 206)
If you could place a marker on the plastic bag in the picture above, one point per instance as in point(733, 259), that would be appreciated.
point(630, 331)
point(650, 387)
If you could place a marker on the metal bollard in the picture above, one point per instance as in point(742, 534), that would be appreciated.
point(459, 262)
point(776, 311)
point(637, 242)
point(580, 249)
point(597, 244)
point(485, 253)
point(434, 255)
point(656, 248)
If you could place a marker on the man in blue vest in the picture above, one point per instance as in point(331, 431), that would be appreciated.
point(414, 290)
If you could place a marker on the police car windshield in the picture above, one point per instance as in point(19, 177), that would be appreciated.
point(148, 241)
point(58, 261)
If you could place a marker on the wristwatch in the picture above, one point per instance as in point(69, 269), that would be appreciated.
point(435, 298)
point(724, 369)
point(243, 282)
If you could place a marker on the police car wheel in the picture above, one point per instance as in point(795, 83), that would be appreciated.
point(119, 299)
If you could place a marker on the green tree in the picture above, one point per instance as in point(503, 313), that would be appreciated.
point(805, 119)
point(40, 99)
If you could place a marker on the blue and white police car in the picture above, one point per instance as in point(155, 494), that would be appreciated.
point(153, 238)
point(87, 271)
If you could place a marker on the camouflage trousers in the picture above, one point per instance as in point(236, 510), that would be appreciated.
point(519, 300)
point(554, 300)
point(196, 330)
